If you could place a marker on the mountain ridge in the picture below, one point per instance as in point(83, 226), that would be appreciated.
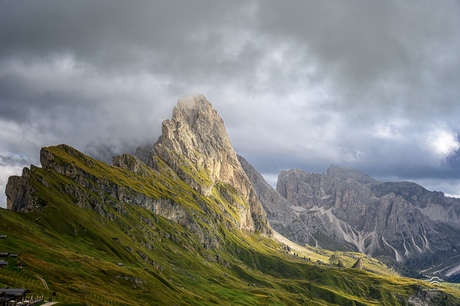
point(173, 229)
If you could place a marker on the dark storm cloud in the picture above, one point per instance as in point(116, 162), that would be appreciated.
point(369, 84)
point(53, 52)
point(121, 37)
point(381, 59)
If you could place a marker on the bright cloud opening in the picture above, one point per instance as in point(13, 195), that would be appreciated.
point(443, 142)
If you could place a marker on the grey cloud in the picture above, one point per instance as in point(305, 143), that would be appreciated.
point(299, 84)
point(12, 160)
point(159, 35)
point(375, 51)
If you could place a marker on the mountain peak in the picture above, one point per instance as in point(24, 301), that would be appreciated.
point(195, 144)
point(345, 173)
point(193, 102)
point(195, 127)
point(197, 132)
point(192, 108)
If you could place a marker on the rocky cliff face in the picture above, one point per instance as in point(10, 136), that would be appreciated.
point(281, 218)
point(288, 219)
point(20, 193)
point(346, 209)
point(195, 144)
point(347, 203)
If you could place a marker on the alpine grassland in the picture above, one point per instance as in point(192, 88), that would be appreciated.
point(96, 241)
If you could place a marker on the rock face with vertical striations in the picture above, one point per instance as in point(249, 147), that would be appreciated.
point(396, 218)
point(195, 144)
point(347, 209)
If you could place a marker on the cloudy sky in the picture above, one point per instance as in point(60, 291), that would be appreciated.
point(373, 85)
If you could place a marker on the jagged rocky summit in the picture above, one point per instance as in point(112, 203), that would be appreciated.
point(194, 145)
point(344, 209)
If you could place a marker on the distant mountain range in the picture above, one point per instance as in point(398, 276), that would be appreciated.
point(345, 209)
point(185, 221)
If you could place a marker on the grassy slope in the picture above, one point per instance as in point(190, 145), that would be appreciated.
point(77, 250)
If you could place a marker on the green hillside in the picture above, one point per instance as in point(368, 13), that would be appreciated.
point(93, 245)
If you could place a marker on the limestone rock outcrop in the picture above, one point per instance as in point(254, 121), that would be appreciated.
point(20, 193)
point(195, 144)
point(358, 264)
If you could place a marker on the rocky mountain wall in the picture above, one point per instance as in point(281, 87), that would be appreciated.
point(346, 209)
